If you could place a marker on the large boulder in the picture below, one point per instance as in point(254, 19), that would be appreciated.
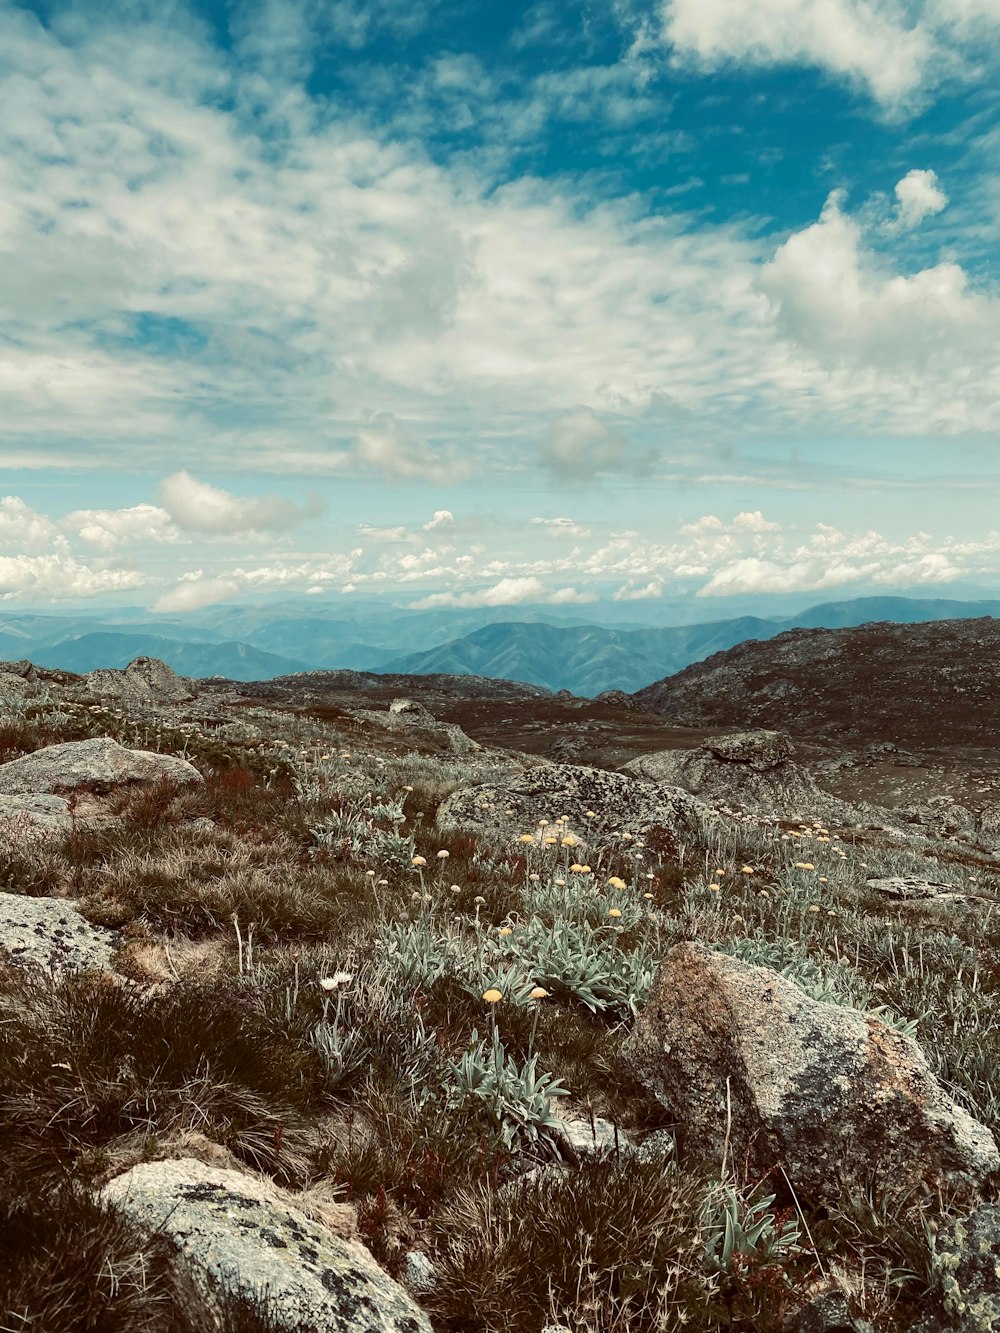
point(240, 1234)
point(748, 770)
point(835, 1098)
point(146, 680)
point(592, 797)
point(53, 934)
point(94, 765)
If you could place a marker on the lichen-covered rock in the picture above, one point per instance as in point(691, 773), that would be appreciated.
point(826, 1311)
point(618, 802)
point(32, 820)
point(52, 933)
point(749, 770)
point(967, 1262)
point(419, 725)
point(94, 765)
point(146, 680)
point(835, 1098)
point(909, 888)
point(238, 1233)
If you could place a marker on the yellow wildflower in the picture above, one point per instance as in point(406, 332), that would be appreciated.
point(492, 996)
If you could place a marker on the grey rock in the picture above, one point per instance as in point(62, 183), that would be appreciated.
point(146, 680)
point(749, 770)
point(655, 1147)
point(95, 765)
point(834, 1097)
point(589, 1138)
point(239, 1234)
point(908, 888)
point(967, 1263)
point(418, 1270)
point(53, 934)
point(617, 699)
point(413, 708)
point(420, 726)
point(620, 801)
point(33, 820)
point(827, 1311)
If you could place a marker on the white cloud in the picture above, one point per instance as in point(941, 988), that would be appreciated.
point(108, 529)
point(840, 303)
point(23, 529)
point(389, 447)
point(196, 506)
point(919, 195)
point(392, 535)
point(754, 521)
point(578, 445)
point(443, 518)
point(647, 592)
point(507, 592)
point(894, 51)
point(195, 591)
point(60, 577)
point(569, 597)
point(561, 527)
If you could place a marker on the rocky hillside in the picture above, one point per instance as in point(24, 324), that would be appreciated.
point(915, 685)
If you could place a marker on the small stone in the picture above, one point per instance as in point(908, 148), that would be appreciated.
point(418, 1270)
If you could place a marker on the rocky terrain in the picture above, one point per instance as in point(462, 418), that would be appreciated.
point(911, 685)
point(353, 1002)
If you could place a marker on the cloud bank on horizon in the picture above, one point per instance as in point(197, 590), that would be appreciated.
point(480, 308)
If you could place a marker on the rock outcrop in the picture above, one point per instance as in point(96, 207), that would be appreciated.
point(835, 1098)
point(52, 933)
point(146, 680)
point(95, 765)
point(744, 770)
point(417, 723)
point(594, 797)
point(240, 1234)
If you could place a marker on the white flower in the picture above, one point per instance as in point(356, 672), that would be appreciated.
point(336, 981)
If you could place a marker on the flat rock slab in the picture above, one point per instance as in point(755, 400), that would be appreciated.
point(618, 802)
point(53, 934)
point(239, 1235)
point(910, 889)
point(94, 765)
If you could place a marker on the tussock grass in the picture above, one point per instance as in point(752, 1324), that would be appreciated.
point(84, 1062)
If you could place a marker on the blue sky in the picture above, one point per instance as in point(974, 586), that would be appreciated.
point(473, 304)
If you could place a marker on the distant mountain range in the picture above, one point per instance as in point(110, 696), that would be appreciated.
point(235, 661)
point(589, 659)
point(260, 643)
